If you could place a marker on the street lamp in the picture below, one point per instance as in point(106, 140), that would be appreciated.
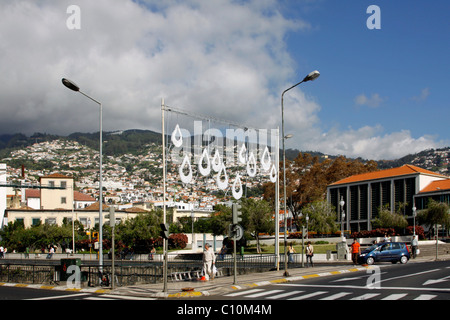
point(310, 77)
point(414, 217)
point(342, 203)
point(72, 86)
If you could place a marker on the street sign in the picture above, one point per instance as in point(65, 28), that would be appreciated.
point(236, 232)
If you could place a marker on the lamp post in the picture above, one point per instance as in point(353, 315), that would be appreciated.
point(342, 203)
point(414, 217)
point(310, 77)
point(72, 86)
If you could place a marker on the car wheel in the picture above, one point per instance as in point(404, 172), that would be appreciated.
point(403, 259)
point(370, 261)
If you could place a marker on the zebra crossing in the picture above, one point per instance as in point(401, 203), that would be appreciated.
point(282, 294)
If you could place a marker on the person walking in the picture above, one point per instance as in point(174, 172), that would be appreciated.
point(414, 246)
point(356, 251)
point(291, 252)
point(209, 259)
point(309, 254)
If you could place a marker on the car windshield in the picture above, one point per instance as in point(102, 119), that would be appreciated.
point(372, 247)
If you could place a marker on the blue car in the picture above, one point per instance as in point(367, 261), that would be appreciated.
point(385, 252)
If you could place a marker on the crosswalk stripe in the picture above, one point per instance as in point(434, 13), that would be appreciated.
point(366, 296)
point(70, 296)
point(261, 294)
point(284, 295)
point(425, 297)
point(241, 293)
point(336, 296)
point(114, 296)
point(307, 296)
point(395, 296)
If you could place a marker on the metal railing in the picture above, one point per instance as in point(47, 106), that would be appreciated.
point(140, 270)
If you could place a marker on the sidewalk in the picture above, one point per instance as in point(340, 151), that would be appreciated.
point(221, 285)
point(224, 284)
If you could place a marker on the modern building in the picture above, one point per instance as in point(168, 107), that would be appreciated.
point(364, 194)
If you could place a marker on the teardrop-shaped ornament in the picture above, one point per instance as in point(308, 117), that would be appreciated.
point(177, 137)
point(265, 159)
point(222, 185)
point(185, 178)
point(204, 158)
point(242, 154)
point(237, 182)
point(216, 162)
point(273, 174)
point(251, 165)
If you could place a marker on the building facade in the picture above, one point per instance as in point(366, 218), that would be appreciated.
point(57, 198)
point(364, 194)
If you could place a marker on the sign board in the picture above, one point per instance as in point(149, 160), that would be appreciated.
point(236, 232)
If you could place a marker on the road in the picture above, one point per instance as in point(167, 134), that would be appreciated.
point(18, 293)
point(413, 281)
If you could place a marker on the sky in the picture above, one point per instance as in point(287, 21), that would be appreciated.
point(383, 91)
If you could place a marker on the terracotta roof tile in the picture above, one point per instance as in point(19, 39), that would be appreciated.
point(439, 185)
point(388, 173)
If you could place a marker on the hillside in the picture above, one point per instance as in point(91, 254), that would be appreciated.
point(132, 142)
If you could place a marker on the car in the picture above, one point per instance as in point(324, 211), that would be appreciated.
point(385, 252)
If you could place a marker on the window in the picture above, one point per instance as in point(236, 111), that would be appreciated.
point(51, 184)
point(63, 200)
point(36, 221)
point(50, 221)
point(63, 184)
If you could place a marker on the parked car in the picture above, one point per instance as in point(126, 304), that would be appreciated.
point(385, 252)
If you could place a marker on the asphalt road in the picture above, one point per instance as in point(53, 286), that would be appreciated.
point(413, 281)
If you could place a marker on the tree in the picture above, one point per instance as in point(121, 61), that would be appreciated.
point(257, 218)
point(388, 219)
point(307, 178)
point(322, 217)
point(436, 213)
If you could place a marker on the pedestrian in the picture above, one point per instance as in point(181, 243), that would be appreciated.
point(152, 252)
point(51, 251)
point(291, 252)
point(414, 246)
point(209, 259)
point(356, 251)
point(387, 238)
point(309, 254)
point(223, 252)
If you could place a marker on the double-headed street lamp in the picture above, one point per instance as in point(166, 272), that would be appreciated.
point(310, 77)
point(72, 86)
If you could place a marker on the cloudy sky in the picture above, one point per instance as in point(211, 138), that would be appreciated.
point(383, 93)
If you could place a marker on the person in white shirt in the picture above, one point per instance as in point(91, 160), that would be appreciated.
point(209, 259)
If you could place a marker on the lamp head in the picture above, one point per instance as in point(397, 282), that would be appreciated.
point(69, 84)
point(312, 76)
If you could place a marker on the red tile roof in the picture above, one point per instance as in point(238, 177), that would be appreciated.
point(406, 169)
point(439, 185)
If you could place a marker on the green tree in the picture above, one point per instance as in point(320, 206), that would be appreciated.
point(436, 213)
point(388, 219)
point(257, 218)
point(321, 217)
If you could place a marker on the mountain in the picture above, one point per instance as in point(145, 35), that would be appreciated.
point(132, 141)
point(114, 143)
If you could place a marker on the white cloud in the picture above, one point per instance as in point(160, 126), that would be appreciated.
point(222, 58)
point(374, 101)
point(423, 95)
point(371, 143)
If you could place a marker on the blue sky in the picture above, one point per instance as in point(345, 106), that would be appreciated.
point(382, 93)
